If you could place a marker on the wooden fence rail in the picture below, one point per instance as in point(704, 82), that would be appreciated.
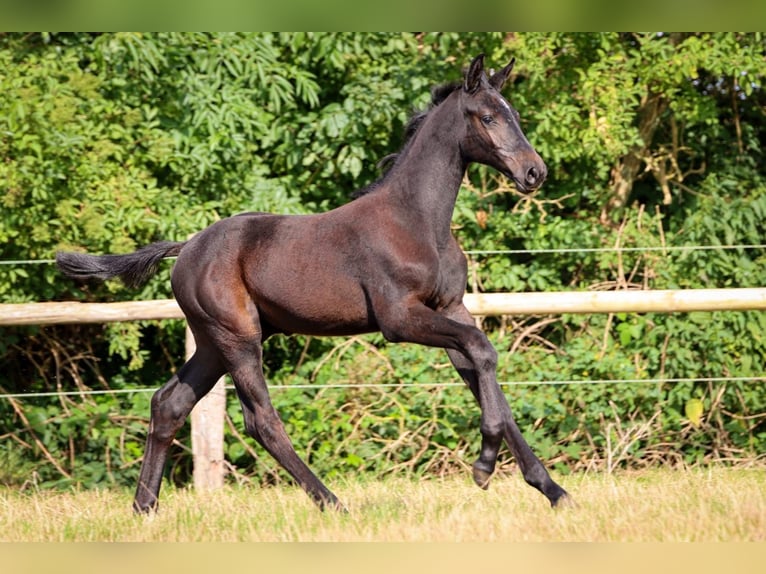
point(207, 418)
point(629, 301)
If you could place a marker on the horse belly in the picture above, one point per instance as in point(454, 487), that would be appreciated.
point(309, 310)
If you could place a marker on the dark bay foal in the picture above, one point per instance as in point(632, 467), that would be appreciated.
point(386, 261)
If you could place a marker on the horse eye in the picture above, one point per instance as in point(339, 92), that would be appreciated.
point(487, 120)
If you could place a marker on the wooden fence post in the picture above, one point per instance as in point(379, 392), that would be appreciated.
point(207, 423)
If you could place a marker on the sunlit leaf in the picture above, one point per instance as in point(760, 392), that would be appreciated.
point(694, 410)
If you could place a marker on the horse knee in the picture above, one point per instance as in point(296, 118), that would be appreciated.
point(481, 352)
point(488, 358)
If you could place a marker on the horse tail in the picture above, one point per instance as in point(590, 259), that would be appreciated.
point(134, 269)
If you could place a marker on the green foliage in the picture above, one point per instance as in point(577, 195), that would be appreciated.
point(109, 141)
point(90, 442)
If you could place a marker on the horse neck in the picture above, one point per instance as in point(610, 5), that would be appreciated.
point(426, 178)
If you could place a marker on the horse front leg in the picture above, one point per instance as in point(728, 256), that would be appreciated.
point(477, 365)
point(484, 466)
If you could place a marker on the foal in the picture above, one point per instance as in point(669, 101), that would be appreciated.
point(386, 261)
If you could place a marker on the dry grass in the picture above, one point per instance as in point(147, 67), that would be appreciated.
point(698, 505)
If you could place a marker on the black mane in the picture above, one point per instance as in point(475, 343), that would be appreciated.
point(438, 95)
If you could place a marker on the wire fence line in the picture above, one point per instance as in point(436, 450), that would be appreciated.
point(472, 252)
point(434, 384)
point(541, 251)
point(670, 248)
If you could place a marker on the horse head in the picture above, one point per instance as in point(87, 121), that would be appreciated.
point(493, 135)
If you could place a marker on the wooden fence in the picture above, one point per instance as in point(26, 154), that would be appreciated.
point(627, 301)
point(208, 416)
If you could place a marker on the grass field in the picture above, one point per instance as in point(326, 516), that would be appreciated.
point(692, 505)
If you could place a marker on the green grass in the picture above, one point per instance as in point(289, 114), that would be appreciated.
point(692, 505)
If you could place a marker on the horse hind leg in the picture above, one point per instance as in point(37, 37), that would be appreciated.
point(262, 422)
point(171, 405)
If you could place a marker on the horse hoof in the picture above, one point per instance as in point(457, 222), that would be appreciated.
point(332, 504)
point(145, 509)
point(563, 502)
point(481, 478)
point(340, 508)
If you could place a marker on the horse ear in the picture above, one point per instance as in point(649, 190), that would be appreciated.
point(473, 75)
point(498, 79)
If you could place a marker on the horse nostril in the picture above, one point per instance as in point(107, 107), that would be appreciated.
point(535, 177)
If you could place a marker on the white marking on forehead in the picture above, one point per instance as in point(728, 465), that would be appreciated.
point(502, 105)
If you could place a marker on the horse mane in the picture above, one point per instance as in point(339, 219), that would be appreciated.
point(438, 95)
